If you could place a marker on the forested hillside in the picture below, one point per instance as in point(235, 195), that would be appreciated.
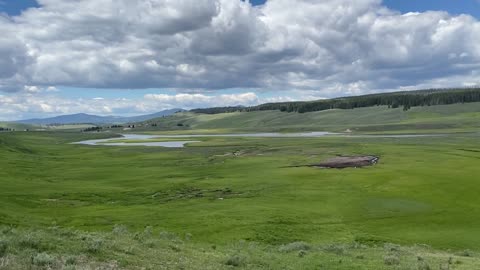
point(405, 99)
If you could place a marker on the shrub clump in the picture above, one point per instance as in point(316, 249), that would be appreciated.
point(71, 260)
point(302, 253)
point(29, 241)
point(466, 253)
point(174, 247)
point(148, 231)
point(3, 248)
point(168, 236)
point(391, 260)
point(145, 235)
point(422, 265)
point(444, 266)
point(337, 249)
point(150, 244)
point(295, 246)
point(95, 246)
point(120, 229)
point(235, 260)
point(391, 247)
point(43, 259)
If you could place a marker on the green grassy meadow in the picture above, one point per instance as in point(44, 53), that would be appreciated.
point(377, 119)
point(237, 202)
point(16, 126)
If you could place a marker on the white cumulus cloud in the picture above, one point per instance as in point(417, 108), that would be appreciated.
point(331, 47)
point(39, 103)
point(218, 44)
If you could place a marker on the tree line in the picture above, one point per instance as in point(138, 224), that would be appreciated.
point(404, 99)
point(92, 129)
point(217, 110)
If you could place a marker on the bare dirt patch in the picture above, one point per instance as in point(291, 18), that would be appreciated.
point(348, 162)
point(342, 162)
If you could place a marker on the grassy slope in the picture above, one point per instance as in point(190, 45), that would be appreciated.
point(456, 117)
point(16, 126)
point(21, 127)
point(55, 248)
point(423, 190)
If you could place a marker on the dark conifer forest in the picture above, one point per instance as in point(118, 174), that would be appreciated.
point(405, 99)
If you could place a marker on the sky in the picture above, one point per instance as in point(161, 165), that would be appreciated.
point(131, 57)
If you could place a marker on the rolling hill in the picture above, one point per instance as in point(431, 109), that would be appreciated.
point(83, 118)
point(453, 117)
point(14, 126)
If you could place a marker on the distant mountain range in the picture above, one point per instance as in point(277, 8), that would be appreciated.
point(82, 118)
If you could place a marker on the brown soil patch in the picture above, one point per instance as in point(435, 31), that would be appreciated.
point(348, 162)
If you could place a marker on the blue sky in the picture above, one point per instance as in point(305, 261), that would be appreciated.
point(14, 7)
point(51, 65)
point(472, 7)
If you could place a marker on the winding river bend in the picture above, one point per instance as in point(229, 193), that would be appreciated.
point(179, 144)
point(108, 142)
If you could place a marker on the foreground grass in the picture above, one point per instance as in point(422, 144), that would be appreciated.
point(56, 248)
point(238, 201)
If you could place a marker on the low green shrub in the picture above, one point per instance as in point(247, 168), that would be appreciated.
point(168, 236)
point(71, 260)
point(336, 248)
point(423, 265)
point(302, 253)
point(43, 259)
point(94, 246)
point(235, 260)
point(295, 246)
point(391, 260)
point(466, 253)
point(3, 248)
point(29, 241)
point(391, 247)
point(120, 229)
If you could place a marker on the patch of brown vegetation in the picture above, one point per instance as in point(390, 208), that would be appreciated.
point(348, 162)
